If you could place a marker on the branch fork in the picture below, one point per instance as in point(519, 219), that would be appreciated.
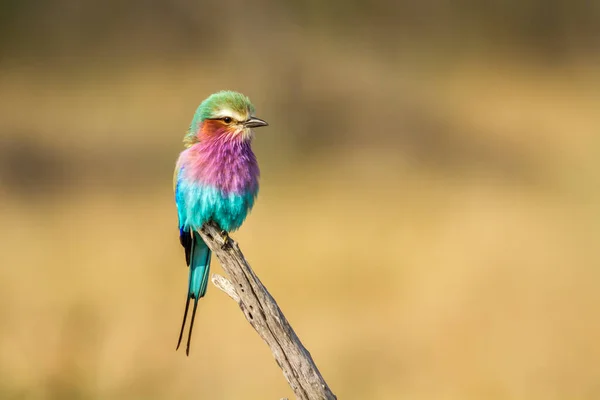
point(265, 316)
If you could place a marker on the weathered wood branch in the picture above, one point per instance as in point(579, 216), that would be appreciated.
point(265, 316)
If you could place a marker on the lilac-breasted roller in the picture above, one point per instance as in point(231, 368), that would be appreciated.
point(216, 179)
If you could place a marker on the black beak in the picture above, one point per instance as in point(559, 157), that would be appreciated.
point(254, 122)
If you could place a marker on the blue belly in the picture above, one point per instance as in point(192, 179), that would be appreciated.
point(198, 204)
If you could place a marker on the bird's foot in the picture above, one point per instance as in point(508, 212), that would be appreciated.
point(225, 236)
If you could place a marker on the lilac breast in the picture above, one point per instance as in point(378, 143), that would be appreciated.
point(225, 163)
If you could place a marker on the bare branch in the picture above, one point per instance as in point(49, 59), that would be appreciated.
point(265, 316)
point(223, 283)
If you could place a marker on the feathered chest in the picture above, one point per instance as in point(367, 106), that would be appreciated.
point(228, 166)
point(218, 183)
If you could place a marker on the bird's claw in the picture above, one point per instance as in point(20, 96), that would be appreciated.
point(225, 236)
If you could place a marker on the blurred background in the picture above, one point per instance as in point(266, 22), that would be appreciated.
point(429, 213)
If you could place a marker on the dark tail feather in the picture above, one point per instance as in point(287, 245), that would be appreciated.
point(198, 282)
point(187, 348)
point(187, 306)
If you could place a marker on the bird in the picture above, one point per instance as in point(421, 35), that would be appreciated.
point(215, 180)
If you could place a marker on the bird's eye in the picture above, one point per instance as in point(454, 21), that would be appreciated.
point(227, 120)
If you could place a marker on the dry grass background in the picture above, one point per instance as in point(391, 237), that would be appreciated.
point(445, 246)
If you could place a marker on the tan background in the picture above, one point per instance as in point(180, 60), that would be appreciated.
point(428, 218)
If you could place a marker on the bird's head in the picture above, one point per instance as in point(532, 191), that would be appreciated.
point(225, 114)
